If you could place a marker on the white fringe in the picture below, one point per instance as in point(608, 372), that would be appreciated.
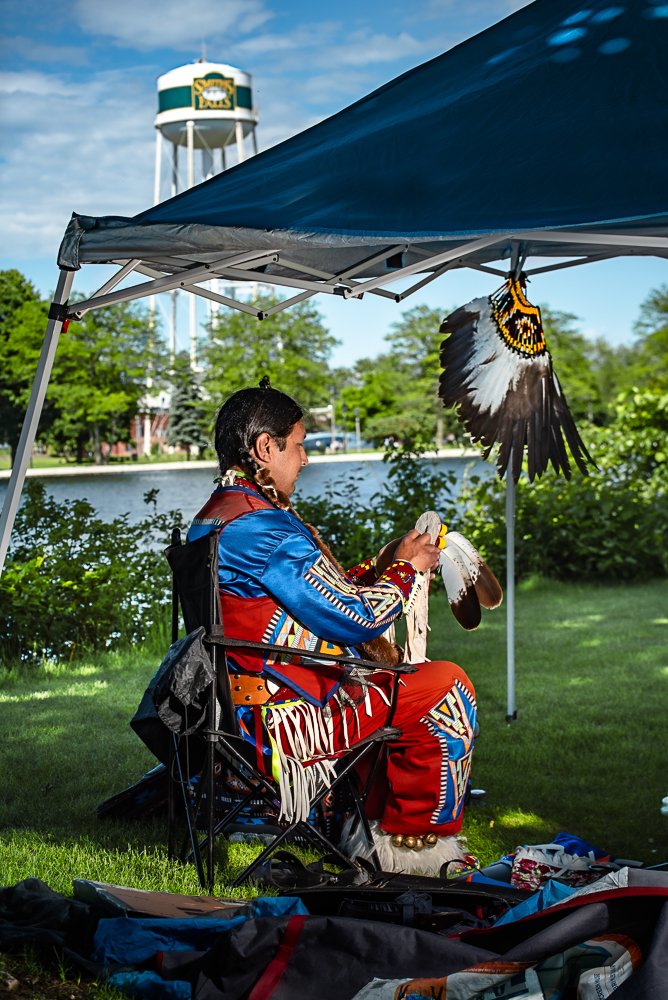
point(417, 623)
point(303, 769)
point(428, 861)
point(302, 738)
point(362, 678)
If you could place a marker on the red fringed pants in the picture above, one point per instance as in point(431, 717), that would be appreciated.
point(423, 776)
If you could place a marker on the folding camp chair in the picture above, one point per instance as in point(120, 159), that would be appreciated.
point(195, 592)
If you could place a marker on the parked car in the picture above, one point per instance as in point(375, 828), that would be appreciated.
point(320, 442)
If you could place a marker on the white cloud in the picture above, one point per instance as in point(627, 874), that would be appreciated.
point(363, 49)
point(44, 85)
point(41, 53)
point(331, 43)
point(177, 24)
point(70, 148)
point(85, 142)
point(306, 38)
point(485, 11)
point(335, 89)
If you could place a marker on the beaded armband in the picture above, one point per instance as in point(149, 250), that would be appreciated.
point(364, 573)
point(403, 575)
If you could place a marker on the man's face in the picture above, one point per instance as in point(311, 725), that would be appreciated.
point(286, 465)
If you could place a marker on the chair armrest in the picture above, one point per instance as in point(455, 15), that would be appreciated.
point(382, 735)
point(216, 637)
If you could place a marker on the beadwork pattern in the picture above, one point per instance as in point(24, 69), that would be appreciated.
point(518, 322)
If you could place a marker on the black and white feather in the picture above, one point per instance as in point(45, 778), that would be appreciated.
point(498, 372)
point(468, 580)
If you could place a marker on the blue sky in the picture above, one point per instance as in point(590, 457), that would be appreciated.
point(78, 100)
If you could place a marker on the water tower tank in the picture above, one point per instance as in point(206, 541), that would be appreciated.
point(215, 97)
point(204, 108)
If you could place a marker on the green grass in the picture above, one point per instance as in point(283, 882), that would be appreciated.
point(587, 753)
point(58, 461)
point(36, 462)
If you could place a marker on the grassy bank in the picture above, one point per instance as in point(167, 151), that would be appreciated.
point(587, 753)
point(58, 461)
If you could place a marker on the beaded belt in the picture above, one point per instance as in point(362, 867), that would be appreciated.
point(249, 689)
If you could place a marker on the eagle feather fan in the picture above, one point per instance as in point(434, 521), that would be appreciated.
point(498, 372)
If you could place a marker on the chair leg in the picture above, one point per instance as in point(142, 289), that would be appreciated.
point(171, 803)
point(190, 820)
point(360, 798)
point(264, 789)
point(363, 819)
point(317, 838)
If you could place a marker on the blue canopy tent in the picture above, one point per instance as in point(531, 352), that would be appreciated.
point(545, 136)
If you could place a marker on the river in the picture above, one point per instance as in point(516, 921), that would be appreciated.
point(114, 493)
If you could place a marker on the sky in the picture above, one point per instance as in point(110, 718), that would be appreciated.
point(78, 100)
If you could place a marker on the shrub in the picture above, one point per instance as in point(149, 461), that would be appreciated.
point(355, 530)
point(610, 525)
point(73, 582)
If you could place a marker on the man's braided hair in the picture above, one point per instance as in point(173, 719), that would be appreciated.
point(241, 419)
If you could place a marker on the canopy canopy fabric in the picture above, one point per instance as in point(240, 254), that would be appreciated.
point(549, 128)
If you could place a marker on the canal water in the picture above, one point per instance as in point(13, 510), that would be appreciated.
point(184, 490)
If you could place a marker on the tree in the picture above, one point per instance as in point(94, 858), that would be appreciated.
point(572, 355)
point(99, 379)
point(611, 367)
point(292, 347)
point(609, 525)
point(594, 374)
point(188, 416)
point(648, 365)
point(98, 376)
point(374, 387)
point(23, 318)
point(397, 392)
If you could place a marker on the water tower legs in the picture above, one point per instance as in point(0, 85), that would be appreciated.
point(239, 135)
point(190, 146)
point(175, 169)
point(207, 164)
point(158, 166)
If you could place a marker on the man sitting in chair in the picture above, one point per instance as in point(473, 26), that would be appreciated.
point(280, 584)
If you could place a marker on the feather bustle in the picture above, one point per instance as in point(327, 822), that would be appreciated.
point(498, 373)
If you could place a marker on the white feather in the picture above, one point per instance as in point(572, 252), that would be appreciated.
point(459, 587)
point(493, 371)
point(487, 586)
point(457, 580)
point(468, 555)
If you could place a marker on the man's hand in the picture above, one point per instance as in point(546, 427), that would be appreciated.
point(418, 549)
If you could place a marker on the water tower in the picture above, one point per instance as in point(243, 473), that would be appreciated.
point(205, 109)
point(203, 106)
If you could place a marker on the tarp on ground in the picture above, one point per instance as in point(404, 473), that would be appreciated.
point(279, 951)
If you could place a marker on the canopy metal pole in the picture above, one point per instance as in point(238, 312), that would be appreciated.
point(511, 711)
point(29, 429)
